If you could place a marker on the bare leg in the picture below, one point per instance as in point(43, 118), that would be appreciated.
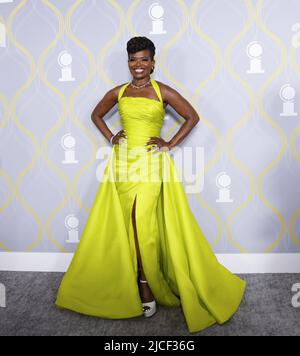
point(145, 291)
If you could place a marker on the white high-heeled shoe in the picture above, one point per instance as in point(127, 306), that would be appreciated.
point(148, 307)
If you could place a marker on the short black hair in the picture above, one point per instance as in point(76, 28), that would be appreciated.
point(140, 43)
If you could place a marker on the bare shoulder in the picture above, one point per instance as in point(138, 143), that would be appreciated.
point(162, 86)
point(109, 99)
point(114, 92)
point(181, 105)
point(167, 92)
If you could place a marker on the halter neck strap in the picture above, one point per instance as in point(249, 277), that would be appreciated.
point(154, 85)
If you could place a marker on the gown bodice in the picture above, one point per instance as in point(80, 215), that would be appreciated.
point(141, 117)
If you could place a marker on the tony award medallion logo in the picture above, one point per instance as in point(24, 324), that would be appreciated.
point(287, 95)
point(223, 183)
point(68, 143)
point(65, 61)
point(72, 223)
point(156, 12)
point(254, 52)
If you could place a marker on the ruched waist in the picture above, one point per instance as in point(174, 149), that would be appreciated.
point(138, 139)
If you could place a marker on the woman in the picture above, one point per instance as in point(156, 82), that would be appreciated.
point(141, 244)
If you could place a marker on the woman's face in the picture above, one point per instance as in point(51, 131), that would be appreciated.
point(140, 64)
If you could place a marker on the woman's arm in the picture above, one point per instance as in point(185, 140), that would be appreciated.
point(183, 108)
point(102, 108)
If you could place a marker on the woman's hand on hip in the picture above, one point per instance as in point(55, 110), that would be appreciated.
point(119, 137)
point(159, 144)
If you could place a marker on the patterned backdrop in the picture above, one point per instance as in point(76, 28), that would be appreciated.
point(236, 61)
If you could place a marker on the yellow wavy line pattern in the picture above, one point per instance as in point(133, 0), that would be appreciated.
point(96, 65)
point(272, 123)
point(92, 71)
point(292, 223)
point(129, 15)
point(3, 174)
point(72, 190)
point(195, 100)
point(74, 95)
point(58, 123)
point(22, 128)
point(5, 120)
point(242, 121)
point(106, 48)
point(9, 183)
point(296, 214)
point(5, 177)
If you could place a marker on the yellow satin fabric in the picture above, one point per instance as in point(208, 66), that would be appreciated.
point(179, 265)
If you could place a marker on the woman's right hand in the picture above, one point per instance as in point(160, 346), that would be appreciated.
point(118, 137)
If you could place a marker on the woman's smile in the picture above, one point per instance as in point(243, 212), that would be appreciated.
point(139, 70)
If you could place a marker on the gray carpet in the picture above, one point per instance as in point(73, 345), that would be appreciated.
point(30, 310)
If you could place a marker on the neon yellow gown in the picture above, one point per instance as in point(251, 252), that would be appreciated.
point(179, 265)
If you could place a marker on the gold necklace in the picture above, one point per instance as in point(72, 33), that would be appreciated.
point(141, 86)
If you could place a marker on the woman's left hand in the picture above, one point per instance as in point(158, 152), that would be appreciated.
point(160, 144)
